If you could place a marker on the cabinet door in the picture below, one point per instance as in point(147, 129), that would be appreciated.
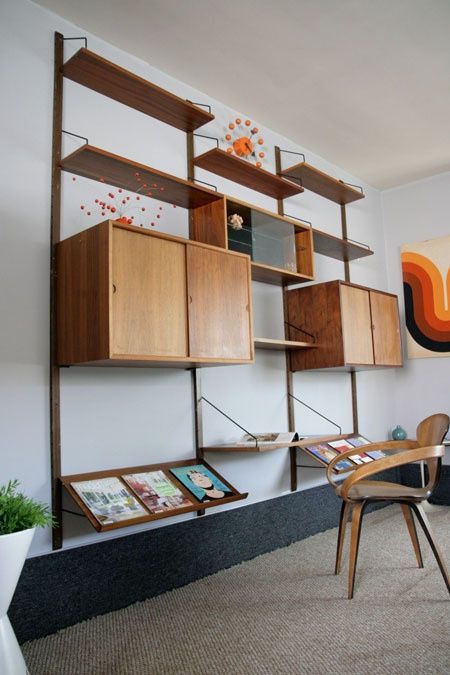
point(219, 305)
point(356, 325)
point(386, 329)
point(149, 299)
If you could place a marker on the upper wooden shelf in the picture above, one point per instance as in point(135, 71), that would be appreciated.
point(106, 78)
point(339, 249)
point(103, 166)
point(317, 181)
point(281, 345)
point(240, 171)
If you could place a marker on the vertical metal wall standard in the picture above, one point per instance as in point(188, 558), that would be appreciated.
point(55, 235)
point(291, 418)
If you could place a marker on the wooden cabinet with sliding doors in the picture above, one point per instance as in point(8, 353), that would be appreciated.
point(353, 327)
point(127, 296)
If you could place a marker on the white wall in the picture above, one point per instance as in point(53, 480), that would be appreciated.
point(120, 417)
point(412, 213)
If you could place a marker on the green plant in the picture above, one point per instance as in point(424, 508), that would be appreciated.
point(18, 512)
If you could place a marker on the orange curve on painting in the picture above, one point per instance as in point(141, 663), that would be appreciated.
point(427, 316)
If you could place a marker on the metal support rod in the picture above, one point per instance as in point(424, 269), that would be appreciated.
point(55, 235)
point(73, 513)
point(202, 105)
point(317, 412)
point(198, 421)
point(301, 330)
point(84, 39)
point(202, 398)
point(306, 466)
point(289, 376)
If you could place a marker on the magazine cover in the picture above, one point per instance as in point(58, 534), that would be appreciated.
point(203, 484)
point(358, 441)
point(109, 500)
point(323, 452)
point(342, 445)
point(156, 491)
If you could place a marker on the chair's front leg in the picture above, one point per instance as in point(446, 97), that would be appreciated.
point(408, 516)
point(423, 520)
point(358, 510)
point(341, 535)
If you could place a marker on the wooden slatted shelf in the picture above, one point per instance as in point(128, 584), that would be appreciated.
point(337, 248)
point(243, 172)
point(277, 276)
point(106, 78)
point(322, 184)
point(282, 345)
point(165, 467)
point(105, 167)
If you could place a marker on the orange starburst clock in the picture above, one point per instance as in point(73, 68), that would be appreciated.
point(242, 139)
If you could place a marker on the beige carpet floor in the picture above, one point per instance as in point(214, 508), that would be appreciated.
point(281, 613)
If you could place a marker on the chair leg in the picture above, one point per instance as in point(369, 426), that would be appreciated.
point(408, 515)
point(341, 535)
point(423, 520)
point(358, 510)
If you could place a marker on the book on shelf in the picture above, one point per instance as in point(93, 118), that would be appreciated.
point(359, 441)
point(156, 491)
point(202, 482)
point(342, 445)
point(268, 438)
point(109, 500)
point(325, 453)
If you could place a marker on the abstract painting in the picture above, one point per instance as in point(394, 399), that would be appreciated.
point(426, 286)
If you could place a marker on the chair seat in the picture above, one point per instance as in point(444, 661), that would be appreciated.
point(381, 490)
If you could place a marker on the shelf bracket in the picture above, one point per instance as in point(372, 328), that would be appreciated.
point(202, 398)
point(316, 411)
point(301, 330)
point(84, 39)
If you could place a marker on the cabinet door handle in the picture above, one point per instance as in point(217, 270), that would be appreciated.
point(114, 288)
point(190, 299)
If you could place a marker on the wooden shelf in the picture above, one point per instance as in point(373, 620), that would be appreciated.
point(105, 167)
point(277, 276)
point(106, 78)
point(235, 447)
point(322, 184)
point(282, 345)
point(243, 172)
point(118, 473)
point(339, 249)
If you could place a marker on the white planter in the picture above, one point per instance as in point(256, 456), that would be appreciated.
point(13, 551)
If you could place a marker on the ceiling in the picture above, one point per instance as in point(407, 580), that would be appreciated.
point(364, 84)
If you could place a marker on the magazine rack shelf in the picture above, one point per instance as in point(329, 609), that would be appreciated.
point(106, 78)
point(196, 505)
point(111, 169)
point(240, 171)
point(265, 447)
point(322, 184)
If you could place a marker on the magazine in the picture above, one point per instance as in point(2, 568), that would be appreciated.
point(358, 441)
point(201, 482)
point(323, 452)
point(156, 491)
point(342, 445)
point(109, 500)
point(268, 438)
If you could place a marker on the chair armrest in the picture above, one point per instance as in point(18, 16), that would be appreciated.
point(365, 470)
point(381, 445)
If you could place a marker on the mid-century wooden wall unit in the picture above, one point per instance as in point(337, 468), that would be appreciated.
point(122, 295)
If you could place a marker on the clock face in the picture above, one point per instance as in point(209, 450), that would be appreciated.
point(243, 141)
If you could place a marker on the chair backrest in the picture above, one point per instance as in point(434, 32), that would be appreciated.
point(432, 431)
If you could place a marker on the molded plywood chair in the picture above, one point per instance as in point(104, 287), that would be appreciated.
point(356, 492)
